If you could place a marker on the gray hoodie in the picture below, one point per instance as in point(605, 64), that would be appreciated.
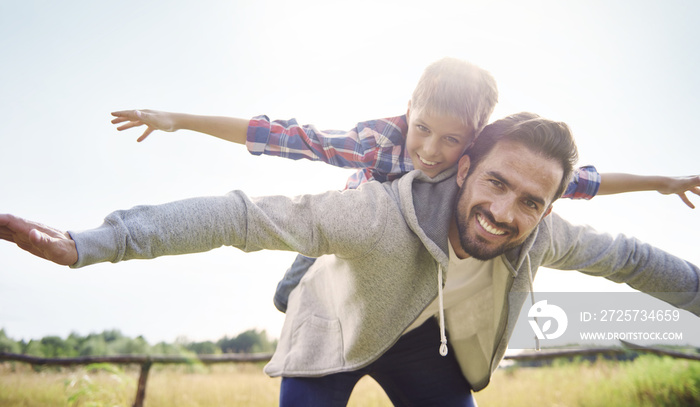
point(383, 251)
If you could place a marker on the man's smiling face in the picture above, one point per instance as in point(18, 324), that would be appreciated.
point(502, 200)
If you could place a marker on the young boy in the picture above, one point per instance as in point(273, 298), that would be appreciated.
point(450, 105)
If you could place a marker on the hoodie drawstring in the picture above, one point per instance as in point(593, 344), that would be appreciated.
point(532, 298)
point(443, 337)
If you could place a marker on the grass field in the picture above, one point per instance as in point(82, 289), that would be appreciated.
point(647, 381)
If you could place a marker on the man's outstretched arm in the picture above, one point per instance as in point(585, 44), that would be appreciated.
point(312, 225)
point(39, 240)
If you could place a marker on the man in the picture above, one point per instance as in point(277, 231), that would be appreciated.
point(368, 304)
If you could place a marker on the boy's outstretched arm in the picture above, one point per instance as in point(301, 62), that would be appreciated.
point(226, 128)
point(616, 183)
point(39, 240)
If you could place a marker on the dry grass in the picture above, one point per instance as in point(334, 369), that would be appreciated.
point(169, 386)
point(240, 385)
point(644, 382)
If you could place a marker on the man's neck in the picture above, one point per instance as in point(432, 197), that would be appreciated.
point(453, 238)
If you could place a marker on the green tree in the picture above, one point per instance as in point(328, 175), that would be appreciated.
point(112, 335)
point(204, 348)
point(93, 345)
point(163, 348)
point(128, 346)
point(33, 348)
point(8, 345)
point(250, 341)
point(55, 347)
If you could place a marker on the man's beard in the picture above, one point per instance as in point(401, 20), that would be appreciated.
point(475, 246)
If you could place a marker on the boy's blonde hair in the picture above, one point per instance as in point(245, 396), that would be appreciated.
point(459, 89)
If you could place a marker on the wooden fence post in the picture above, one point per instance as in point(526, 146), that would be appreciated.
point(141, 388)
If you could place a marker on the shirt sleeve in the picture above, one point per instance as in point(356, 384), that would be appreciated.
point(584, 185)
point(375, 147)
point(344, 223)
point(621, 259)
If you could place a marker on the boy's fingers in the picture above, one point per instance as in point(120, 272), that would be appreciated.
point(145, 134)
point(120, 120)
point(695, 190)
point(130, 125)
point(125, 113)
point(686, 200)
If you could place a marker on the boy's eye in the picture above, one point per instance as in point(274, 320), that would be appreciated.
point(422, 128)
point(452, 140)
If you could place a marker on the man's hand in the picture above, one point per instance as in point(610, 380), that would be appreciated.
point(39, 240)
point(153, 119)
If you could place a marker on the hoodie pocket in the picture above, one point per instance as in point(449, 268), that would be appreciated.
point(317, 346)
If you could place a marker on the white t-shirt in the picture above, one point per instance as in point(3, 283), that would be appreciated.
point(465, 277)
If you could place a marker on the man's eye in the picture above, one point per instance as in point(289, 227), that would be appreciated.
point(496, 183)
point(531, 204)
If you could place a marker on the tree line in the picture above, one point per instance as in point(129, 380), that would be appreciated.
point(113, 342)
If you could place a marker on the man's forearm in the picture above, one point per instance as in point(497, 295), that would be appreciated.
point(188, 226)
point(623, 259)
point(249, 224)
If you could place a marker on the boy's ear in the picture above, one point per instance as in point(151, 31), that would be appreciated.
point(547, 212)
point(408, 111)
point(463, 169)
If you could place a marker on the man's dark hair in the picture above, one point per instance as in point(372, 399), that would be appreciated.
point(548, 138)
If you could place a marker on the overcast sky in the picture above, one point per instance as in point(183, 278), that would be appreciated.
point(623, 75)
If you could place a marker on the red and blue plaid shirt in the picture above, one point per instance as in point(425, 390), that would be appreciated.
point(375, 147)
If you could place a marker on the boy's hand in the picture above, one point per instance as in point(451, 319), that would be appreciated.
point(39, 240)
point(153, 119)
point(681, 185)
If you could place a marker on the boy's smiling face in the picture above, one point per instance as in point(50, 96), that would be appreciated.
point(435, 142)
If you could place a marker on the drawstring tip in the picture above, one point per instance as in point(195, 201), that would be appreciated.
point(443, 349)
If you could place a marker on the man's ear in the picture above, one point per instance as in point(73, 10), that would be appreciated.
point(463, 169)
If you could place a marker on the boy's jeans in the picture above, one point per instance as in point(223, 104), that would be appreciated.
point(291, 280)
point(412, 373)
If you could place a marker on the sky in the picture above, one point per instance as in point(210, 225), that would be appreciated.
point(622, 74)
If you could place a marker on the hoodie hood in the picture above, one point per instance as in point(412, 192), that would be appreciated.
point(417, 194)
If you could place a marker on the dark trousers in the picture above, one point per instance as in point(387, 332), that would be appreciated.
point(412, 373)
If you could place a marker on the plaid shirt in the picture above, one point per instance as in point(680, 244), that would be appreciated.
point(584, 185)
point(375, 147)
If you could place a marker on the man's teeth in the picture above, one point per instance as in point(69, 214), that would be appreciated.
point(488, 227)
point(426, 162)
